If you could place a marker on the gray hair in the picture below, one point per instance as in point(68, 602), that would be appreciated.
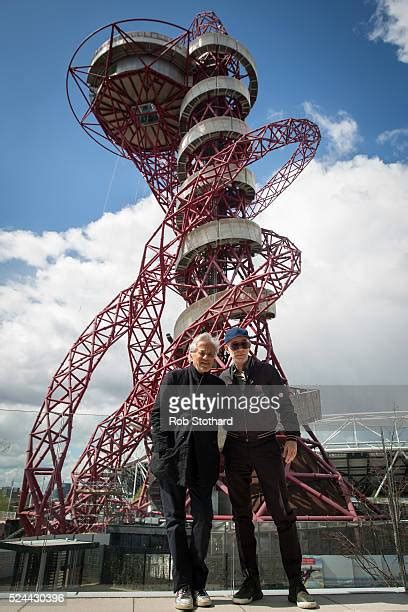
point(205, 337)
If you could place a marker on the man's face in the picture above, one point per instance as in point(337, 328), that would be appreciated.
point(238, 348)
point(203, 357)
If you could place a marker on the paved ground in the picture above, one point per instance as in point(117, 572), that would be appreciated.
point(330, 600)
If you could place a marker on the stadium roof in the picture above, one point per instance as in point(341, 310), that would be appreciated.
point(363, 431)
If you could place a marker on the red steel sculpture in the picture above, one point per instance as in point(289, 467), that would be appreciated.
point(175, 105)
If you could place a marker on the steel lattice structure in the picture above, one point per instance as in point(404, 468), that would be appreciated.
point(176, 107)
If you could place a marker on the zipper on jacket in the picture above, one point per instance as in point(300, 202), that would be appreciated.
point(242, 382)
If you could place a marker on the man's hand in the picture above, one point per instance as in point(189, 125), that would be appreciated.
point(289, 450)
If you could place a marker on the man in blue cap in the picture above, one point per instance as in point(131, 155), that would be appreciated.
point(245, 451)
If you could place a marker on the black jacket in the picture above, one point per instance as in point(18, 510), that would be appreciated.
point(262, 373)
point(171, 457)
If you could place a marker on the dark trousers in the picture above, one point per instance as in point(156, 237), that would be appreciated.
point(265, 457)
point(189, 568)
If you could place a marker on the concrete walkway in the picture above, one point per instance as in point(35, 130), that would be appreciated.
point(335, 600)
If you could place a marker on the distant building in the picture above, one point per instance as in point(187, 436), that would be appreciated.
point(12, 494)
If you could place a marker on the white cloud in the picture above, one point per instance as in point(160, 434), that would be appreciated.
point(390, 24)
point(344, 320)
point(77, 273)
point(397, 139)
point(275, 115)
point(341, 131)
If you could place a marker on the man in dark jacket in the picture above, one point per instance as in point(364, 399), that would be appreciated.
point(183, 459)
point(245, 451)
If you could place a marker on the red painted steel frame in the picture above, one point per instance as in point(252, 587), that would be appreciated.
point(136, 311)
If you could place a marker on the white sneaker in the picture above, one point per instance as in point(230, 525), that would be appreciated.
point(184, 599)
point(202, 599)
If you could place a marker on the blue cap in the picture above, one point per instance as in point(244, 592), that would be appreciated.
point(234, 332)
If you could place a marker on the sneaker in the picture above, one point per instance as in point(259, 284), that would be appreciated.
point(202, 599)
point(250, 591)
point(299, 596)
point(184, 600)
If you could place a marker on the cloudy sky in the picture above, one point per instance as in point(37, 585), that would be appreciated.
point(74, 218)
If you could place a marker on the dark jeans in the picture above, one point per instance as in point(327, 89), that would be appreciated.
point(189, 568)
point(265, 457)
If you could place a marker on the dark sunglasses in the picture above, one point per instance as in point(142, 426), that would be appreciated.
point(237, 345)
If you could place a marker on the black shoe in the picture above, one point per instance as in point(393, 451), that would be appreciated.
point(299, 596)
point(250, 591)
